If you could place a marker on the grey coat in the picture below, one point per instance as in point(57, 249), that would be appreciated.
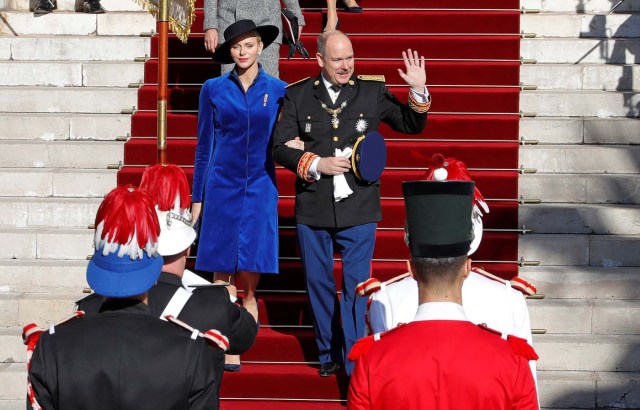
point(220, 14)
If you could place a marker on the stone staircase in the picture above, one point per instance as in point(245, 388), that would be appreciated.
point(63, 83)
point(586, 230)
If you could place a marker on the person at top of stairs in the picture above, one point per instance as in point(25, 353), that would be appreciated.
point(325, 113)
point(220, 14)
point(123, 356)
point(350, 6)
point(47, 6)
point(203, 307)
point(441, 360)
point(486, 298)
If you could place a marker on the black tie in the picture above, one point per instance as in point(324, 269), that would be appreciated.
point(335, 88)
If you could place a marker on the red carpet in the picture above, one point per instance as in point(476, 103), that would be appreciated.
point(473, 75)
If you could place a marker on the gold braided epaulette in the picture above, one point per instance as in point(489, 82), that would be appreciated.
point(297, 82)
point(371, 78)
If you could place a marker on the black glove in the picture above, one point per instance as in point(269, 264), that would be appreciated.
point(291, 34)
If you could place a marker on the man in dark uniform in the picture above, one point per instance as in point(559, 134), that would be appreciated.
point(123, 357)
point(321, 116)
point(441, 360)
point(203, 307)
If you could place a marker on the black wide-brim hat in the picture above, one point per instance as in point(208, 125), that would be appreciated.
point(439, 217)
point(268, 34)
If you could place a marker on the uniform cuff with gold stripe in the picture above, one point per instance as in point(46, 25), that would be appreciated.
point(303, 166)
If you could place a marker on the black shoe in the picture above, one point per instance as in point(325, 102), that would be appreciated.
point(93, 7)
point(43, 7)
point(328, 369)
point(354, 9)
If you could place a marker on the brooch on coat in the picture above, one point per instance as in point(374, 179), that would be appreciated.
point(361, 125)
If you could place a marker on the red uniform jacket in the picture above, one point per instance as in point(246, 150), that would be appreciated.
point(442, 364)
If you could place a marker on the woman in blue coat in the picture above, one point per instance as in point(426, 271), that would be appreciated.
point(234, 183)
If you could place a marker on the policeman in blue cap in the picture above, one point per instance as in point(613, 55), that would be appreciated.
point(124, 357)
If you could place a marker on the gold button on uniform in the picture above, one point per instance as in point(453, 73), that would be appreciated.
point(335, 139)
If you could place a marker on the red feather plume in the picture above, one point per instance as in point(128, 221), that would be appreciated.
point(164, 184)
point(127, 211)
point(456, 171)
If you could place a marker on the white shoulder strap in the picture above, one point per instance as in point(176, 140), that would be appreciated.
point(177, 302)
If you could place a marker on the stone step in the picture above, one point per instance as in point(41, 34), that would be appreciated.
point(557, 389)
point(605, 251)
point(557, 352)
point(557, 316)
point(11, 404)
point(584, 282)
point(43, 275)
point(45, 243)
point(71, 5)
point(580, 219)
point(588, 130)
point(577, 103)
point(585, 316)
point(589, 390)
point(89, 100)
point(60, 154)
point(19, 309)
point(45, 182)
point(56, 126)
point(63, 22)
point(581, 77)
point(103, 74)
point(581, 159)
point(71, 73)
point(49, 212)
point(581, 6)
point(70, 48)
point(579, 51)
point(79, 24)
point(13, 382)
point(572, 25)
point(581, 188)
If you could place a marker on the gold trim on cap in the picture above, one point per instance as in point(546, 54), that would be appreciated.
point(355, 158)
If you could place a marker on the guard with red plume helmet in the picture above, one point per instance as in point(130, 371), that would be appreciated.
point(180, 293)
point(440, 359)
point(126, 261)
point(119, 356)
point(168, 188)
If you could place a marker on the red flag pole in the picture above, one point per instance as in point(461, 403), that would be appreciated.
point(163, 58)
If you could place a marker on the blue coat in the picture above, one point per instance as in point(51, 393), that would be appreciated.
point(234, 175)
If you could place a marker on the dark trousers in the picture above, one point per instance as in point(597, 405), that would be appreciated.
point(338, 324)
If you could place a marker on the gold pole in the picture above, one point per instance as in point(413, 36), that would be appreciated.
point(163, 57)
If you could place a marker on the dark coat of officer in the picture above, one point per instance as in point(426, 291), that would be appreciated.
point(117, 359)
point(209, 307)
point(304, 116)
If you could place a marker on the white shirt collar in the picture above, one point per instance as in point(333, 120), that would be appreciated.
point(440, 311)
point(327, 84)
